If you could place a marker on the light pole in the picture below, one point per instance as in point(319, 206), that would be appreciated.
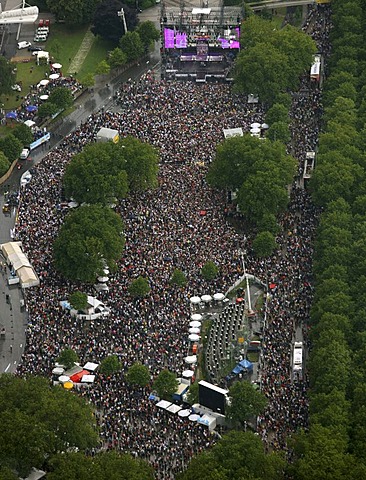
point(121, 13)
point(243, 253)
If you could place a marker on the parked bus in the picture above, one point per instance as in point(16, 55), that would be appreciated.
point(297, 361)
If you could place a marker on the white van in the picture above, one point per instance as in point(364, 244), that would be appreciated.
point(23, 45)
point(25, 153)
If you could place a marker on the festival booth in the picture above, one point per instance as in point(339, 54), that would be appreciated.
point(207, 420)
point(43, 56)
point(19, 262)
point(107, 135)
point(95, 309)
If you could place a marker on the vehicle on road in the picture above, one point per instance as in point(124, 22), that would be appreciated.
point(25, 153)
point(23, 45)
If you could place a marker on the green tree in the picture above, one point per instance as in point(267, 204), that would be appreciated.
point(193, 395)
point(7, 473)
point(141, 163)
point(108, 25)
point(36, 422)
point(268, 223)
point(47, 109)
point(148, 33)
point(103, 68)
point(279, 131)
point(74, 12)
point(89, 80)
point(178, 278)
point(209, 271)
point(138, 374)
point(79, 300)
point(11, 146)
point(7, 77)
point(117, 58)
point(165, 384)
point(72, 466)
point(246, 402)
point(131, 44)
point(205, 467)
point(97, 175)
point(61, 97)
point(24, 134)
point(139, 287)
point(277, 113)
point(90, 236)
point(118, 466)
point(264, 244)
point(68, 358)
point(110, 365)
point(4, 164)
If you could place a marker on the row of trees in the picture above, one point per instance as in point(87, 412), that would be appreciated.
point(271, 61)
point(335, 444)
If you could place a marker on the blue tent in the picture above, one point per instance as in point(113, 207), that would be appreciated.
point(31, 108)
point(11, 115)
point(246, 364)
point(237, 369)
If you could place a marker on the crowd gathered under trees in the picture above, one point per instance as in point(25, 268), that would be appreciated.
point(165, 228)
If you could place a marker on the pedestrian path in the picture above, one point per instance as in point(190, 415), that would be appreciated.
point(81, 54)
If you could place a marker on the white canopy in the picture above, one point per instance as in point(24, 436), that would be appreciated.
point(193, 337)
point(103, 279)
point(206, 298)
point(195, 324)
point(63, 378)
point(195, 300)
point(188, 373)
point(196, 316)
point(14, 255)
point(56, 65)
point(44, 97)
point(219, 297)
point(19, 15)
point(163, 404)
point(194, 330)
point(87, 378)
point(255, 130)
point(54, 76)
point(173, 408)
point(29, 123)
point(90, 366)
point(191, 359)
point(265, 125)
point(194, 417)
point(255, 125)
point(184, 413)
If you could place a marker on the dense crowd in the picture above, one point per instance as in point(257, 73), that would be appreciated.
point(181, 224)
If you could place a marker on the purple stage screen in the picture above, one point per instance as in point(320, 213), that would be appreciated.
point(168, 38)
point(232, 42)
point(181, 40)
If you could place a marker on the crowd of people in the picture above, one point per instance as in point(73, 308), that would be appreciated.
point(181, 224)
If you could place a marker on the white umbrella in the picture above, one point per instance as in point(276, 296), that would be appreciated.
point(191, 359)
point(194, 417)
point(206, 298)
point(195, 324)
point(193, 337)
point(106, 271)
point(56, 65)
point(195, 300)
point(44, 82)
point(265, 125)
point(103, 279)
point(219, 297)
point(73, 204)
point(184, 413)
point(255, 125)
point(54, 76)
point(196, 316)
point(44, 97)
point(194, 330)
point(29, 123)
point(255, 130)
point(188, 373)
point(63, 378)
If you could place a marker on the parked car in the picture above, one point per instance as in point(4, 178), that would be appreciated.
point(41, 22)
point(47, 22)
point(34, 48)
point(25, 153)
point(40, 38)
point(43, 30)
point(23, 45)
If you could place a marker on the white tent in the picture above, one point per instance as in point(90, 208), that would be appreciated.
point(43, 56)
point(90, 366)
point(195, 300)
point(219, 297)
point(163, 404)
point(29, 123)
point(14, 256)
point(173, 408)
point(206, 298)
point(196, 317)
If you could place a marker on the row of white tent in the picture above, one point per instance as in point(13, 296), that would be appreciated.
point(205, 419)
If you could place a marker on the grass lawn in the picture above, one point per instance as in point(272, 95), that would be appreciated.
point(64, 43)
point(98, 52)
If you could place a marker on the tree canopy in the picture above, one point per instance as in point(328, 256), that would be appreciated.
point(165, 384)
point(74, 12)
point(11, 146)
point(246, 402)
point(90, 236)
point(108, 25)
point(138, 374)
point(7, 77)
point(39, 420)
point(110, 365)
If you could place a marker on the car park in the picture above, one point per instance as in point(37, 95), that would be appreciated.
point(23, 45)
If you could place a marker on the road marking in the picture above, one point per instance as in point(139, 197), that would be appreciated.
point(7, 368)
